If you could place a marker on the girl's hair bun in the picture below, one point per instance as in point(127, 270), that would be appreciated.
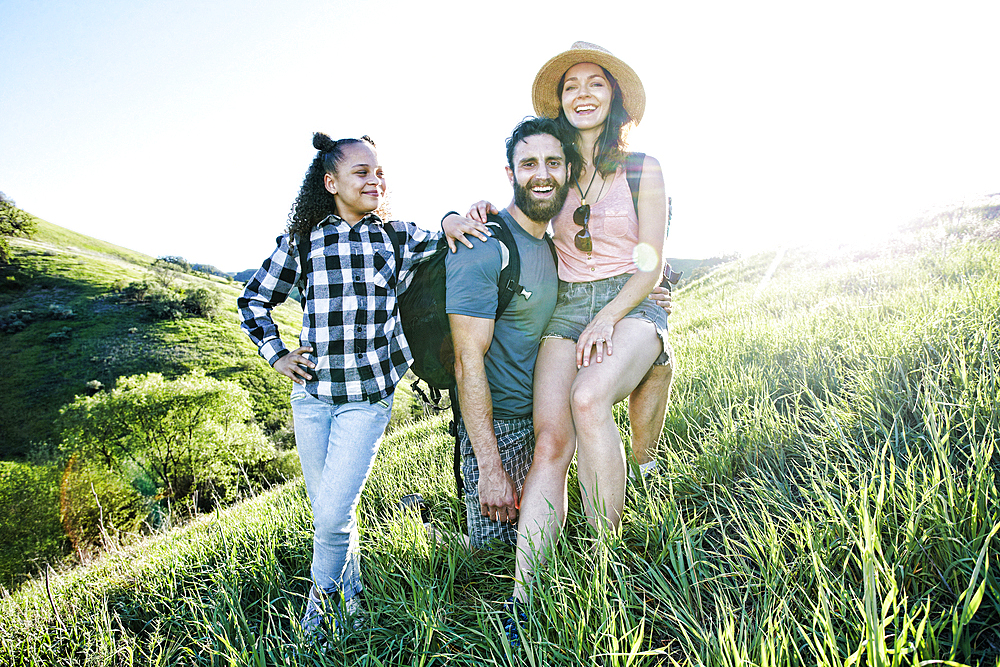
point(321, 142)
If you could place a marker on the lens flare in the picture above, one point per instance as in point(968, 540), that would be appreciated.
point(645, 257)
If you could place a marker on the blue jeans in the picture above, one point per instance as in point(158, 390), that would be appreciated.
point(337, 445)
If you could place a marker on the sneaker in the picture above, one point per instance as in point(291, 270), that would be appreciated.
point(645, 470)
point(515, 621)
point(355, 613)
point(325, 614)
point(315, 614)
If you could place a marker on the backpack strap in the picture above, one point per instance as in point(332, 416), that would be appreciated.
point(397, 245)
point(552, 249)
point(456, 414)
point(510, 273)
point(633, 174)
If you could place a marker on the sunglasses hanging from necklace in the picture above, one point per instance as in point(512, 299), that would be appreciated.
point(581, 215)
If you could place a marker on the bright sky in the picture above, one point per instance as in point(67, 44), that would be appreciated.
point(184, 127)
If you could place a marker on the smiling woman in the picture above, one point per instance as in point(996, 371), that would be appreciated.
point(606, 337)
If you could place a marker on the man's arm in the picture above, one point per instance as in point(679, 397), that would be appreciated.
point(472, 337)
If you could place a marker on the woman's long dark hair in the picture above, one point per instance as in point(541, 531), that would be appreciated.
point(612, 145)
point(314, 202)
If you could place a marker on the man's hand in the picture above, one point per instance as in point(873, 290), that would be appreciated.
point(294, 365)
point(661, 297)
point(497, 496)
point(661, 293)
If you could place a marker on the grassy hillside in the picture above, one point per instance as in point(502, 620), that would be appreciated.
point(79, 331)
point(828, 496)
point(67, 328)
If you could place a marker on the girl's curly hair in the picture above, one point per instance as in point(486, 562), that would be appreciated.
point(612, 145)
point(314, 202)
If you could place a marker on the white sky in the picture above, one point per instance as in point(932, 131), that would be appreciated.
point(184, 127)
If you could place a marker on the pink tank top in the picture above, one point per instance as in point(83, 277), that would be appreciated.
point(614, 229)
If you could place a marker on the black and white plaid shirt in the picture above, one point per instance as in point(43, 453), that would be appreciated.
point(349, 318)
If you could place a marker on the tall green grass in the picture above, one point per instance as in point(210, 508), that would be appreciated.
point(828, 496)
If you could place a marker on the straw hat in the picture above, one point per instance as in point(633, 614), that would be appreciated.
point(545, 94)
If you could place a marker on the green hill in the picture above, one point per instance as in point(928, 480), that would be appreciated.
point(78, 314)
point(828, 496)
point(67, 290)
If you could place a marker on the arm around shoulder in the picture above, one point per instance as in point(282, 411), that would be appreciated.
point(652, 212)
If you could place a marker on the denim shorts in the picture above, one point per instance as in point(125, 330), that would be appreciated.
point(578, 303)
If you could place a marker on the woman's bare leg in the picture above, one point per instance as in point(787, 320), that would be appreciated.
point(543, 498)
point(595, 390)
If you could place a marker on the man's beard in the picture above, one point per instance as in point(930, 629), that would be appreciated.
point(540, 210)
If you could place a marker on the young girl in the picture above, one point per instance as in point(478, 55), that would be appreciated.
point(351, 352)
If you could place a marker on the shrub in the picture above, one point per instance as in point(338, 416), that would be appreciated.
point(192, 437)
point(13, 222)
point(166, 302)
point(97, 505)
point(202, 302)
point(29, 519)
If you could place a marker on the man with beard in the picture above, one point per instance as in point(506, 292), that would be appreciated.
point(495, 358)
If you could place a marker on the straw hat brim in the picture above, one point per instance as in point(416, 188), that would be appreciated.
point(545, 93)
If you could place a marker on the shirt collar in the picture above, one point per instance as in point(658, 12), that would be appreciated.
point(335, 219)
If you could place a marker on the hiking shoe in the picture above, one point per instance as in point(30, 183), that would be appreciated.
point(416, 501)
point(326, 613)
point(515, 621)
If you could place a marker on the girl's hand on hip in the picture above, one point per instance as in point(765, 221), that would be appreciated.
point(294, 365)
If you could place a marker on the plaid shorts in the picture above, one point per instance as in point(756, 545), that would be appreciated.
point(516, 442)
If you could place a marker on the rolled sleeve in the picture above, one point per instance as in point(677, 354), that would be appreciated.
point(267, 288)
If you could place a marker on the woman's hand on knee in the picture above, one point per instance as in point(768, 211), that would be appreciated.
point(594, 342)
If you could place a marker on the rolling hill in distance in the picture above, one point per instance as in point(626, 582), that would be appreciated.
point(67, 290)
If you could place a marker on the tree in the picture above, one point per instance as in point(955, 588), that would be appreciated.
point(190, 435)
point(13, 222)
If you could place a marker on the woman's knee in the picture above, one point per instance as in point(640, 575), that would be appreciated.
point(589, 402)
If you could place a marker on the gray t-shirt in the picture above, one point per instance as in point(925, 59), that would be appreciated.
point(472, 277)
